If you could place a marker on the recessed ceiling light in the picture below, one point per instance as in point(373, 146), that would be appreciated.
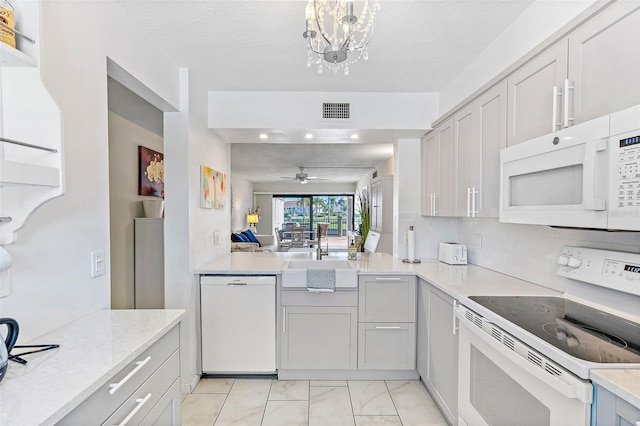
point(355, 136)
point(264, 136)
point(308, 136)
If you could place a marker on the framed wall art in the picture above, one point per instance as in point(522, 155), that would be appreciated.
point(151, 172)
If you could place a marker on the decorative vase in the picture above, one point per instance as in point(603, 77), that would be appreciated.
point(153, 207)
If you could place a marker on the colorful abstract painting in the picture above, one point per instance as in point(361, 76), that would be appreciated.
point(213, 188)
point(151, 172)
point(207, 187)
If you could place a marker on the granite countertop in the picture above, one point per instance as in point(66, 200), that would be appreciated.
point(622, 383)
point(92, 349)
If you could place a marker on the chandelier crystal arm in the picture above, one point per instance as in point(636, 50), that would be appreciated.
point(343, 33)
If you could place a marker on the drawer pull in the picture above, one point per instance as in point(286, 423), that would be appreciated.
point(115, 386)
point(139, 403)
point(388, 278)
point(388, 327)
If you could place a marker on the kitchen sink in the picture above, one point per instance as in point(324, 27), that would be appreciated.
point(295, 272)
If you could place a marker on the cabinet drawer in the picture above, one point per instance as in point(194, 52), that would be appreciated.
point(143, 399)
point(305, 298)
point(387, 346)
point(104, 401)
point(387, 299)
point(167, 410)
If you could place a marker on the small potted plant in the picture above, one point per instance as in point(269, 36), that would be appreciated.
point(363, 205)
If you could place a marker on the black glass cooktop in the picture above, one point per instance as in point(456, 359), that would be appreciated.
point(579, 330)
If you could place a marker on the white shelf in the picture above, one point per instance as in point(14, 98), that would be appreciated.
point(10, 57)
point(13, 173)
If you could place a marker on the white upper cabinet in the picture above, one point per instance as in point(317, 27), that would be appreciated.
point(479, 135)
point(534, 89)
point(604, 63)
point(590, 73)
point(437, 171)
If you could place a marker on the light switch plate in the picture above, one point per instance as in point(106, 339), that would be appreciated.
point(97, 263)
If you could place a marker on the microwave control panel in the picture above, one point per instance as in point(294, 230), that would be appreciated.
point(611, 269)
point(628, 171)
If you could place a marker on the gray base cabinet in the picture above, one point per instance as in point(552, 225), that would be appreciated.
point(147, 391)
point(386, 346)
point(319, 338)
point(438, 348)
point(386, 328)
point(613, 410)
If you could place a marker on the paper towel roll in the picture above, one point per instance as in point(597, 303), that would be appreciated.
point(5, 259)
point(411, 245)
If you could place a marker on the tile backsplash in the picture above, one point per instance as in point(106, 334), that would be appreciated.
point(530, 252)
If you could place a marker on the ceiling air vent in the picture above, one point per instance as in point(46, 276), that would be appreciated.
point(336, 110)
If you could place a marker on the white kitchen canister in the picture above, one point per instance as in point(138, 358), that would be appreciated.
point(153, 208)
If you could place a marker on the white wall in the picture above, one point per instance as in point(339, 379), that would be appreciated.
point(51, 279)
point(125, 203)
point(242, 202)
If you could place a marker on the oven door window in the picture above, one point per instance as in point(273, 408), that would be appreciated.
point(499, 399)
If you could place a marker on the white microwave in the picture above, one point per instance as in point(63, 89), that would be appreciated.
point(584, 176)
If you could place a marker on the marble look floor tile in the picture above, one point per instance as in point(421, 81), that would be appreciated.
point(245, 403)
point(214, 386)
point(414, 404)
point(330, 406)
point(378, 421)
point(371, 398)
point(332, 383)
point(286, 413)
point(289, 390)
point(201, 409)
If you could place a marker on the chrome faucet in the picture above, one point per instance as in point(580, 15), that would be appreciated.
point(320, 231)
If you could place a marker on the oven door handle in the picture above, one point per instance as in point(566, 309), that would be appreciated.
point(567, 385)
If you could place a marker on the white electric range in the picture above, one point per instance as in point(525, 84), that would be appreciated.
point(526, 359)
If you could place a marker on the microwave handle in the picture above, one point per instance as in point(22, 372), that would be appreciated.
point(590, 201)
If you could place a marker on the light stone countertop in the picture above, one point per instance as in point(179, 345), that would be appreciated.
point(623, 383)
point(92, 349)
point(459, 281)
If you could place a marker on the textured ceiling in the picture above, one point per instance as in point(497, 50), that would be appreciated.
point(239, 45)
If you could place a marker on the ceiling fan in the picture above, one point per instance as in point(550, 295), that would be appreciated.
point(302, 177)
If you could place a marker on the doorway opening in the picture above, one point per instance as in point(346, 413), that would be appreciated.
point(309, 210)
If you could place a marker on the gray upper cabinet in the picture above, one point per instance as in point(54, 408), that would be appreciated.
point(479, 135)
point(437, 171)
point(534, 107)
point(604, 63)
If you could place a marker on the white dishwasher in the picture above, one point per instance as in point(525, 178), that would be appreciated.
point(238, 315)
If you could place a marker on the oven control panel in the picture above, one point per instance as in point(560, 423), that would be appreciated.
point(611, 269)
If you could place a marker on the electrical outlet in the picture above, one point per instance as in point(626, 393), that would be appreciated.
point(478, 242)
point(97, 263)
point(216, 238)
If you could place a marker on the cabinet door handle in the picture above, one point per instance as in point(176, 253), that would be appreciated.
point(388, 327)
point(436, 198)
point(468, 202)
point(455, 328)
point(139, 403)
point(567, 87)
point(284, 320)
point(388, 278)
point(474, 192)
point(431, 201)
point(554, 110)
point(139, 365)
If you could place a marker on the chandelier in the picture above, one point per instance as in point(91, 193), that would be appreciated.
point(336, 36)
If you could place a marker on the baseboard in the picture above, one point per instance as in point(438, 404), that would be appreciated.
point(348, 375)
point(189, 387)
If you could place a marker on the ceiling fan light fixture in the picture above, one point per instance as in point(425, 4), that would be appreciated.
point(304, 181)
point(337, 35)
